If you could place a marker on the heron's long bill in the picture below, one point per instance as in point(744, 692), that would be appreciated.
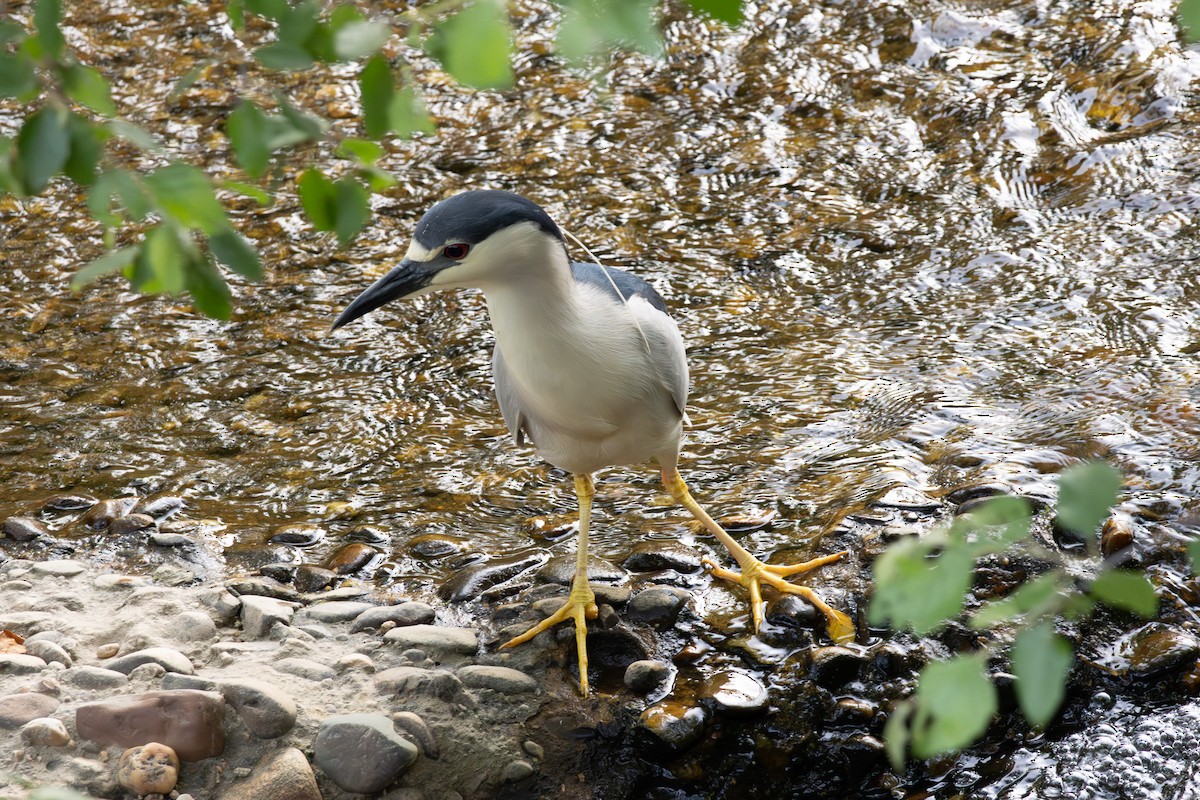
point(406, 278)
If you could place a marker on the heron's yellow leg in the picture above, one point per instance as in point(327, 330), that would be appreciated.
point(755, 573)
point(581, 602)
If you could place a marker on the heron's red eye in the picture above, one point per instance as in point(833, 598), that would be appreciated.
point(456, 251)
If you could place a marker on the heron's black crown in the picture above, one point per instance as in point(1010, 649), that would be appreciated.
point(474, 216)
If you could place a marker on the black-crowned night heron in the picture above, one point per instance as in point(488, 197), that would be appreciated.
point(589, 368)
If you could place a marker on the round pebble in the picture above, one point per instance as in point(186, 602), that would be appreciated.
point(733, 691)
point(646, 675)
point(45, 732)
point(151, 768)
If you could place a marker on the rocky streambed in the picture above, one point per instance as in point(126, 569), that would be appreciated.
point(138, 661)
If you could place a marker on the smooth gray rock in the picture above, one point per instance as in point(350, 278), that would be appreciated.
point(335, 611)
point(415, 727)
point(20, 664)
point(438, 683)
point(192, 626)
point(404, 614)
point(48, 651)
point(267, 711)
point(561, 570)
point(18, 709)
point(87, 676)
point(654, 555)
point(362, 752)
point(24, 529)
point(735, 692)
point(516, 770)
point(259, 614)
point(398, 680)
point(284, 775)
point(440, 642)
point(160, 539)
point(177, 680)
point(305, 668)
point(170, 660)
point(60, 568)
point(500, 679)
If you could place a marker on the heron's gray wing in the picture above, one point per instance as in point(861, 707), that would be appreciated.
point(510, 404)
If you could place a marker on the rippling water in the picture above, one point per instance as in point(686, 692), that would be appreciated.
point(911, 246)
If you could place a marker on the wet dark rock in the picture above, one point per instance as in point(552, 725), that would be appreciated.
point(906, 498)
point(18, 709)
point(673, 726)
point(616, 648)
point(411, 724)
point(658, 606)
point(1115, 535)
point(102, 514)
point(267, 711)
point(283, 775)
point(502, 680)
point(362, 752)
point(403, 614)
point(791, 611)
point(895, 660)
point(131, 523)
point(561, 570)
point(69, 502)
point(350, 558)
point(653, 555)
point(160, 507)
point(24, 529)
point(735, 692)
point(297, 535)
point(851, 712)
point(284, 573)
point(835, 666)
point(607, 617)
point(647, 675)
point(170, 660)
point(441, 642)
point(434, 545)
point(474, 579)
point(1157, 648)
point(956, 497)
point(187, 721)
point(309, 578)
point(369, 534)
point(260, 587)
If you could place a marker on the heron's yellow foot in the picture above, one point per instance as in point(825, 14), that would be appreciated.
point(580, 606)
point(755, 574)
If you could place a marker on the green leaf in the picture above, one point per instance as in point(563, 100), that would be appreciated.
point(1000, 522)
point(236, 253)
point(47, 16)
point(475, 46)
point(282, 56)
point(318, 198)
point(1194, 554)
point(896, 733)
point(353, 209)
point(122, 185)
point(43, 145)
point(377, 180)
point(1041, 660)
point(919, 591)
point(305, 125)
point(271, 9)
point(1025, 599)
point(955, 705)
point(11, 32)
point(56, 793)
point(105, 264)
point(8, 181)
point(1127, 590)
point(184, 192)
point(407, 114)
point(727, 11)
point(87, 145)
point(133, 133)
point(262, 197)
point(376, 88)
point(162, 264)
point(189, 78)
point(590, 27)
point(357, 40)
point(364, 151)
point(17, 76)
point(209, 290)
point(236, 11)
point(1189, 19)
point(247, 132)
point(1085, 494)
point(87, 86)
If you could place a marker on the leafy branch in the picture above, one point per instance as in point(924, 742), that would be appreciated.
point(174, 214)
point(921, 584)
